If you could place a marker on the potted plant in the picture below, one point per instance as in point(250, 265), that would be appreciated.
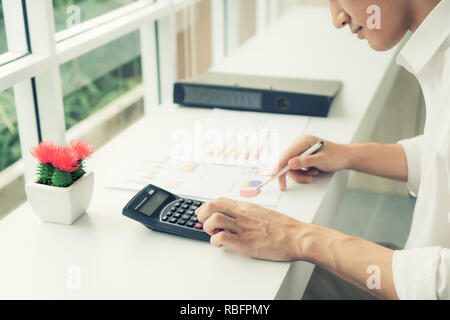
point(62, 191)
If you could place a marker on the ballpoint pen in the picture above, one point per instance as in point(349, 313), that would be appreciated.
point(308, 152)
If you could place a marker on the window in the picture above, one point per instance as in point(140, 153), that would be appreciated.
point(102, 54)
point(194, 45)
point(9, 136)
point(3, 45)
point(240, 22)
point(16, 47)
point(70, 12)
point(97, 78)
point(247, 20)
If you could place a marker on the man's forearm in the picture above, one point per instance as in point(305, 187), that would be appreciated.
point(360, 262)
point(385, 160)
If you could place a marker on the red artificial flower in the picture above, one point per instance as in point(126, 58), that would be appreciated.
point(65, 159)
point(44, 152)
point(83, 150)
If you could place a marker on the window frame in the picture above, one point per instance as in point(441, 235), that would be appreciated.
point(35, 73)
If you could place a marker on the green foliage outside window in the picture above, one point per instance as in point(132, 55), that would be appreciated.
point(88, 9)
point(9, 138)
point(86, 99)
point(83, 102)
point(3, 45)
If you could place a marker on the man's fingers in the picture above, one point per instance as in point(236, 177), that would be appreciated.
point(219, 221)
point(301, 177)
point(282, 181)
point(310, 172)
point(291, 152)
point(228, 207)
point(224, 238)
point(301, 162)
point(287, 155)
point(299, 146)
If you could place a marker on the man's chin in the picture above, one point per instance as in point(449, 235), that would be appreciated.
point(379, 47)
point(385, 45)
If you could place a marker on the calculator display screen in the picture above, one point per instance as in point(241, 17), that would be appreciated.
point(153, 203)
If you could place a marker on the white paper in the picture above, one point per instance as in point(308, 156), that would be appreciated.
point(210, 178)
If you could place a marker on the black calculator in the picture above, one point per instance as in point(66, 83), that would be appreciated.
point(163, 211)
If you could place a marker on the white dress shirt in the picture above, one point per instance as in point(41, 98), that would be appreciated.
point(422, 270)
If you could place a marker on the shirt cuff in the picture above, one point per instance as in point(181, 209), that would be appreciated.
point(412, 152)
point(417, 281)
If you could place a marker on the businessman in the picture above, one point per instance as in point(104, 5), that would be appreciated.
point(422, 269)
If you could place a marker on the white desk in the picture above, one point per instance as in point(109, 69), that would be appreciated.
point(119, 258)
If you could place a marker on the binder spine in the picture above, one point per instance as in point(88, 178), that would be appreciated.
point(271, 101)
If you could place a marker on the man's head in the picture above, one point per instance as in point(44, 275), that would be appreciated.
point(383, 22)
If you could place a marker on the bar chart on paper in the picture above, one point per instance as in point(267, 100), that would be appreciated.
point(241, 149)
point(237, 153)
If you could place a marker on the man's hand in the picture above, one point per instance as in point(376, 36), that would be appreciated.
point(251, 230)
point(330, 158)
point(266, 234)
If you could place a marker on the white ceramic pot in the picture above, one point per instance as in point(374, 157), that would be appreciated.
point(61, 205)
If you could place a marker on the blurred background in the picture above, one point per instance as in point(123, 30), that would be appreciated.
point(112, 74)
point(103, 94)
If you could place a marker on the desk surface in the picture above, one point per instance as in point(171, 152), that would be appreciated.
point(116, 257)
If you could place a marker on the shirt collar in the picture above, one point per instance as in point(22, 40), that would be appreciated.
point(427, 39)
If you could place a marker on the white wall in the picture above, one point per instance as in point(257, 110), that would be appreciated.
point(402, 117)
point(312, 2)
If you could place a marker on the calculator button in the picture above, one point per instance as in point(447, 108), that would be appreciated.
point(190, 212)
point(173, 209)
point(194, 219)
point(181, 221)
point(198, 225)
point(180, 211)
point(173, 220)
point(164, 218)
point(176, 205)
point(194, 207)
point(190, 224)
point(189, 201)
point(185, 216)
point(177, 215)
point(169, 214)
point(185, 206)
point(197, 203)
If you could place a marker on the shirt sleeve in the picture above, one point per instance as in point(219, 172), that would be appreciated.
point(412, 151)
point(422, 273)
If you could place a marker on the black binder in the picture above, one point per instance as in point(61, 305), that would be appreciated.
point(256, 93)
